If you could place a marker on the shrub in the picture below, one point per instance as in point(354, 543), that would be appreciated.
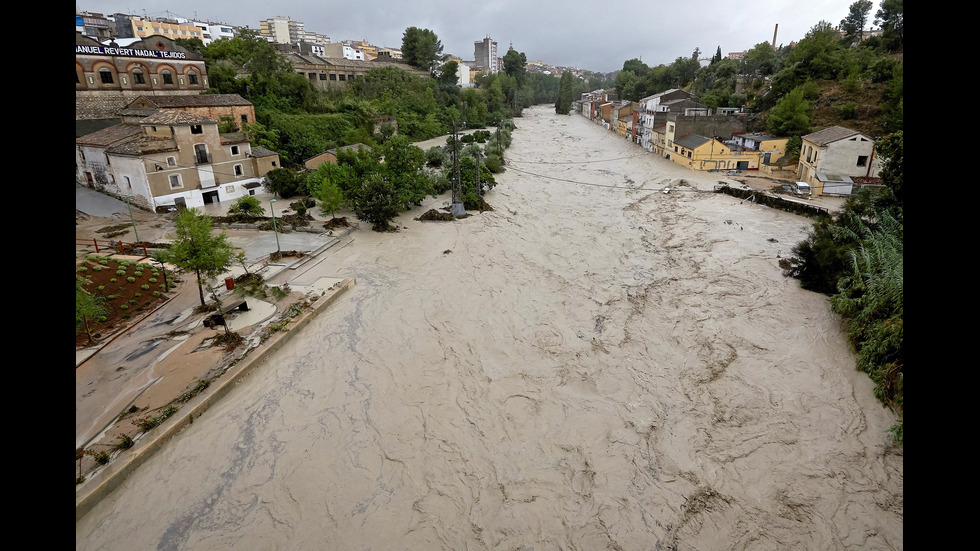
point(125, 442)
point(97, 268)
point(131, 279)
point(494, 163)
point(435, 157)
point(152, 280)
point(146, 423)
point(101, 458)
point(145, 287)
point(246, 209)
point(847, 110)
point(120, 272)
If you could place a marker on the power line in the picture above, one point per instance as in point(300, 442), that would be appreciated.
point(610, 186)
point(578, 162)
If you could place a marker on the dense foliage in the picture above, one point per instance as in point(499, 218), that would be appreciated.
point(857, 259)
point(198, 250)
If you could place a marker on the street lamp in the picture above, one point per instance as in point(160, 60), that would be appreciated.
point(128, 197)
point(274, 229)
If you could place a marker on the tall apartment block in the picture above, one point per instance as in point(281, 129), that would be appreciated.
point(283, 30)
point(485, 54)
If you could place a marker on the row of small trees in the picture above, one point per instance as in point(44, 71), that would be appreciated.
point(378, 184)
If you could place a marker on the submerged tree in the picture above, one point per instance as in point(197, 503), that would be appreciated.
point(377, 202)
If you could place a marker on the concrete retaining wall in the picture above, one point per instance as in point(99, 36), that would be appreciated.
point(112, 475)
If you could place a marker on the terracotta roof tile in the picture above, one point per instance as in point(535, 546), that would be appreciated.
point(109, 136)
point(175, 117)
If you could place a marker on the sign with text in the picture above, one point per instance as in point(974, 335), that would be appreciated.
point(128, 52)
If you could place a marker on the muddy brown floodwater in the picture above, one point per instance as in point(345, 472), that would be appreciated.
point(595, 364)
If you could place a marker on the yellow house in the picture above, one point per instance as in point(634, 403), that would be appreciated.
point(702, 153)
point(832, 157)
point(772, 148)
point(624, 119)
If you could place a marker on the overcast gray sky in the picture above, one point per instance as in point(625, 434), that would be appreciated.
point(598, 36)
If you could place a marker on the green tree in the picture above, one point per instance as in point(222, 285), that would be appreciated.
point(377, 202)
point(563, 104)
point(449, 73)
point(192, 44)
point(341, 174)
point(891, 18)
point(515, 65)
point(283, 182)
point(420, 48)
point(403, 164)
point(891, 148)
point(472, 181)
point(760, 60)
point(331, 197)
point(246, 209)
point(857, 17)
point(197, 249)
point(790, 116)
point(87, 307)
point(258, 134)
point(627, 86)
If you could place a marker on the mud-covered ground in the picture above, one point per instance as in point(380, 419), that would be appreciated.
point(596, 365)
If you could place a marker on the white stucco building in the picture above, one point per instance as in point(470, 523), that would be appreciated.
point(832, 157)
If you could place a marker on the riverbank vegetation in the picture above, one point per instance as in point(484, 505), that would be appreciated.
point(856, 258)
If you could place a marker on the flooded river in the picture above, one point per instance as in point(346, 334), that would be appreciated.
point(595, 364)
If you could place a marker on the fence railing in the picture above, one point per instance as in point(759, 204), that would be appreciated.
point(107, 246)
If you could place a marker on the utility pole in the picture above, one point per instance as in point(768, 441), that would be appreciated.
point(479, 186)
point(457, 208)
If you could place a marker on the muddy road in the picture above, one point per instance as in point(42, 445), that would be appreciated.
point(595, 364)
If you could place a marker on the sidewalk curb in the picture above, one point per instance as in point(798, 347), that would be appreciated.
point(112, 475)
